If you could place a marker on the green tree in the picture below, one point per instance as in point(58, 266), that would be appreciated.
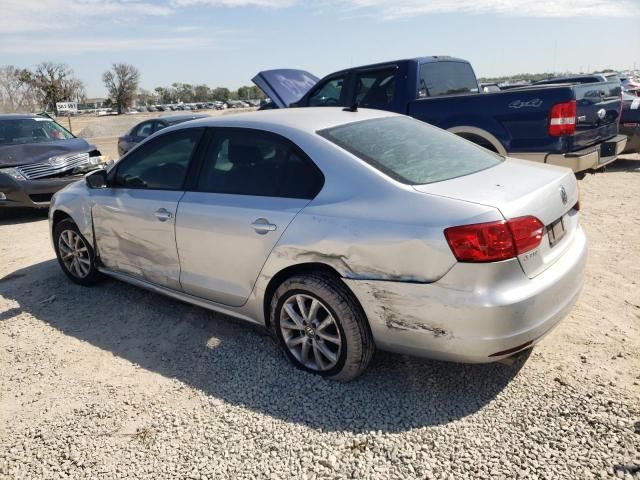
point(201, 93)
point(221, 94)
point(122, 84)
point(53, 83)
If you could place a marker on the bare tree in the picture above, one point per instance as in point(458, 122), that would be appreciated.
point(53, 83)
point(122, 84)
point(16, 95)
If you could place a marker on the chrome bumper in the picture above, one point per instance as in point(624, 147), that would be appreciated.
point(586, 159)
point(476, 313)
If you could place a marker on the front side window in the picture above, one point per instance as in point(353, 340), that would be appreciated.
point(244, 162)
point(375, 89)
point(446, 78)
point(31, 130)
point(328, 94)
point(411, 151)
point(160, 164)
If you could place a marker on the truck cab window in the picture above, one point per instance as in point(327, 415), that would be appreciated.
point(376, 88)
point(328, 94)
point(446, 78)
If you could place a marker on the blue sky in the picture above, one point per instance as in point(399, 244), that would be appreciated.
point(225, 42)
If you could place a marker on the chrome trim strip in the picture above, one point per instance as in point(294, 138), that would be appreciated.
point(44, 169)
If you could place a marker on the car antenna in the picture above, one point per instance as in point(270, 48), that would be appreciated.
point(352, 108)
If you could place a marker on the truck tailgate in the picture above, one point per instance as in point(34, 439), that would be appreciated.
point(598, 107)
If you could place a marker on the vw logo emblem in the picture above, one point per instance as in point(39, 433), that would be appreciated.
point(563, 195)
point(602, 113)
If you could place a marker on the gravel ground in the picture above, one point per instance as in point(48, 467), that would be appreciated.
point(116, 382)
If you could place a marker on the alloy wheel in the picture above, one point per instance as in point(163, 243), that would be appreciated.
point(74, 253)
point(310, 332)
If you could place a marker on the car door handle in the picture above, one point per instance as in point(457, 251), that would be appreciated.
point(262, 226)
point(163, 214)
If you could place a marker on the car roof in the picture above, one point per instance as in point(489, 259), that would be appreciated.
point(308, 120)
point(420, 60)
point(18, 116)
point(180, 118)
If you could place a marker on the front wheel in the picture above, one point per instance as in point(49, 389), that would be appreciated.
point(321, 327)
point(75, 255)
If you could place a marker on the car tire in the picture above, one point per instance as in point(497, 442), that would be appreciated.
point(318, 310)
point(75, 254)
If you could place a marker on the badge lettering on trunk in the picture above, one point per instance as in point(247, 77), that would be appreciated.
point(563, 195)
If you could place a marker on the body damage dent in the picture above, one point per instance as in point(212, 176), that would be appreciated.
point(398, 318)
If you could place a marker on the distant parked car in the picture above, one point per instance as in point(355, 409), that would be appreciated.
point(38, 157)
point(338, 231)
point(144, 129)
point(630, 122)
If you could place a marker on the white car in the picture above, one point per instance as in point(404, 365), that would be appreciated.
point(339, 231)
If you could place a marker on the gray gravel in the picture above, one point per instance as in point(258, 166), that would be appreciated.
point(116, 382)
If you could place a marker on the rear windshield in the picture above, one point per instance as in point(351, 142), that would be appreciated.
point(446, 78)
point(18, 131)
point(411, 151)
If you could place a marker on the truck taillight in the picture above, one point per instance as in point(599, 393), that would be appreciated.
point(563, 119)
point(494, 241)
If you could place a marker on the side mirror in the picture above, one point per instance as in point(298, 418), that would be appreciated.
point(97, 179)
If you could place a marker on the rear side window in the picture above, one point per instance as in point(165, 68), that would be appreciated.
point(144, 130)
point(375, 88)
point(248, 162)
point(446, 78)
point(411, 151)
point(329, 94)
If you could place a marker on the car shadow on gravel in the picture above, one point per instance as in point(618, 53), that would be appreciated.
point(234, 362)
point(624, 165)
point(15, 216)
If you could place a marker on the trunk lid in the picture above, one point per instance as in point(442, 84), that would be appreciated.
point(519, 188)
point(285, 86)
point(598, 107)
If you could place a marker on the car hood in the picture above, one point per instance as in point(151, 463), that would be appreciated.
point(15, 155)
point(285, 86)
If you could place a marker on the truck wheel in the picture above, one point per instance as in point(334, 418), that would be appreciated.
point(321, 327)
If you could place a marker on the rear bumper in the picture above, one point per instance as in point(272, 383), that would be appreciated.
point(632, 131)
point(587, 159)
point(31, 193)
point(476, 313)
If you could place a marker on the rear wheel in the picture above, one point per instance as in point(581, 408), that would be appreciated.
point(321, 327)
point(75, 255)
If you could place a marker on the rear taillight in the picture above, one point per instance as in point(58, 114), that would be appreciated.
point(494, 241)
point(563, 119)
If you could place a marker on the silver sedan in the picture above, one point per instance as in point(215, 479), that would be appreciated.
point(339, 231)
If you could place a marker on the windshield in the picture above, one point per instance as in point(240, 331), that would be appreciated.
point(17, 131)
point(411, 151)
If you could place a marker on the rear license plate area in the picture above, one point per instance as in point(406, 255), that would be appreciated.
point(555, 231)
point(607, 149)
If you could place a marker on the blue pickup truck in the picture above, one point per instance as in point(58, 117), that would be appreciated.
point(570, 125)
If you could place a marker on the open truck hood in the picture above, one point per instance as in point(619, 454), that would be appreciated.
point(285, 86)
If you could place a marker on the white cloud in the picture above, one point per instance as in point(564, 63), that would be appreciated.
point(52, 15)
point(235, 3)
point(395, 9)
point(78, 44)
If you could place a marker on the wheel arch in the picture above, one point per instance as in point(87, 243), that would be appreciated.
point(297, 269)
point(480, 137)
